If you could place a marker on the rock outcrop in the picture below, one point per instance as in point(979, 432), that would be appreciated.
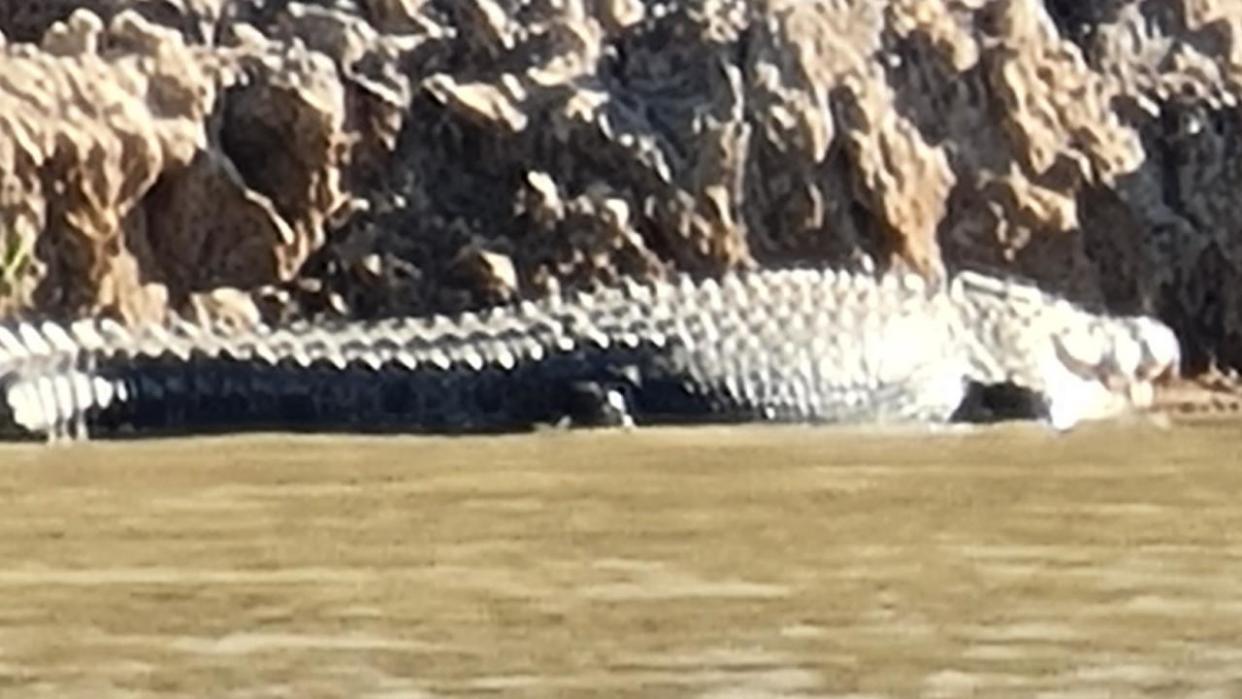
point(405, 156)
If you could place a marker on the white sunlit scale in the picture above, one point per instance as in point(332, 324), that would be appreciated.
point(103, 391)
point(49, 411)
point(33, 340)
point(57, 338)
point(27, 406)
point(12, 345)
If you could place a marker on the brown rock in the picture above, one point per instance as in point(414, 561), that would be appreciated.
point(83, 138)
point(153, 163)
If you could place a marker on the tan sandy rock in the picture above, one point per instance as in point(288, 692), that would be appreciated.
point(83, 138)
point(156, 163)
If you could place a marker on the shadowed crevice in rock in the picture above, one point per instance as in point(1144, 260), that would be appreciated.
point(1077, 21)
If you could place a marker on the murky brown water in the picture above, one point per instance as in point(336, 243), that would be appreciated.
point(699, 562)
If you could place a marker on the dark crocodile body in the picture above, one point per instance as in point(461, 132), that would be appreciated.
point(169, 395)
point(807, 346)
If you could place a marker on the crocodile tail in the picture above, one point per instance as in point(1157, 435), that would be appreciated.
point(98, 378)
point(47, 381)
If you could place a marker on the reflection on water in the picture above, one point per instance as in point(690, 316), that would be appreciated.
point(715, 562)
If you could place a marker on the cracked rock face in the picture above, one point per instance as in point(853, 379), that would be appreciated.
point(408, 156)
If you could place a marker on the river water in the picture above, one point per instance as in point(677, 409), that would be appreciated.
point(720, 562)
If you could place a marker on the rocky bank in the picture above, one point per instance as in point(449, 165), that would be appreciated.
point(237, 159)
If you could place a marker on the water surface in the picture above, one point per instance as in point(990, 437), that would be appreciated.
point(720, 562)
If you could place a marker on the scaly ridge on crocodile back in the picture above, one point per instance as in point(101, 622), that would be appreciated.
point(790, 345)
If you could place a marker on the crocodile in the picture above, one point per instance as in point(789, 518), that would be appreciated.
point(794, 345)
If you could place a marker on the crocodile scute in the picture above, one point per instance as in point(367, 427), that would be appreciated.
point(777, 345)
